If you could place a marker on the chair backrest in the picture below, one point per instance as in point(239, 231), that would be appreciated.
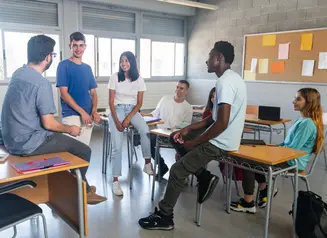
point(315, 158)
point(252, 110)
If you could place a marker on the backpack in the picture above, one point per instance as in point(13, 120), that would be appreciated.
point(311, 216)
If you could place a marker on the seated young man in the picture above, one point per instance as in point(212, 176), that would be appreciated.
point(224, 133)
point(174, 111)
point(28, 123)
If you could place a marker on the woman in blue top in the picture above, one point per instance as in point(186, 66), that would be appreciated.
point(126, 89)
point(307, 134)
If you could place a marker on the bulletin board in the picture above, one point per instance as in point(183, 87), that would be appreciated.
point(274, 63)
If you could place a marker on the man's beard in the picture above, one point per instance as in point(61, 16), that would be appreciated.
point(48, 65)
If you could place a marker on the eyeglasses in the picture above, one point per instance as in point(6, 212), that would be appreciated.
point(54, 55)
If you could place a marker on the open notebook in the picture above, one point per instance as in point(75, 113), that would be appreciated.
point(38, 165)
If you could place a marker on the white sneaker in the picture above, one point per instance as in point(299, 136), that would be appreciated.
point(148, 169)
point(116, 189)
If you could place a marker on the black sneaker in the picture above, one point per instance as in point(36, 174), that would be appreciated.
point(262, 198)
point(206, 186)
point(157, 221)
point(243, 206)
point(163, 171)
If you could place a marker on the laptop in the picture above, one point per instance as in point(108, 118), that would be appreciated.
point(269, 113)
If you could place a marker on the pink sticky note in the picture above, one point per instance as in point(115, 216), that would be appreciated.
point(283, 51)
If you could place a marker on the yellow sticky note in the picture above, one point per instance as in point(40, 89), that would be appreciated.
point(248, 75)
point(306, 41)
point(263, 66)
point(269, 40)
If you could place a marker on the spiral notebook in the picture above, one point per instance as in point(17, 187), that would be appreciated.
point(38, 165)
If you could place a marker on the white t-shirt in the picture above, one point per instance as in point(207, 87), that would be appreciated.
point(172, 113)
point(126, 91)
point(230, 89)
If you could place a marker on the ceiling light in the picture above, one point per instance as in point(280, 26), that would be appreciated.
point(191, 4)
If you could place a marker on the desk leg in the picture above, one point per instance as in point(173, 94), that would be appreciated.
point(104, 146)
point(230, 178)
point(296, 178)
point(226, 186)
point(155, 167)
point(270, 187)
point(131, 158)
point(80, 203)
point(271, 132)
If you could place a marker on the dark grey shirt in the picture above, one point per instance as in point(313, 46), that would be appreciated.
point(29, 96)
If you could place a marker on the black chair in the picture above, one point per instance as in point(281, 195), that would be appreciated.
point(15, 209)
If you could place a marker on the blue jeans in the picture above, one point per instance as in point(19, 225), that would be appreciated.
point(117, 137)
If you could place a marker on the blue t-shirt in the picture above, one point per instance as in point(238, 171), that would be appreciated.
point(79, 80)
point(301, 136)
point(29, 96)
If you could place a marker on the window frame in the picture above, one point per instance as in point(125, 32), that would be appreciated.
point(137, 37)
point(37, 29)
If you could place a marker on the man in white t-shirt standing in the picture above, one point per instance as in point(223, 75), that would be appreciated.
point(224, 133)
point(174, 111)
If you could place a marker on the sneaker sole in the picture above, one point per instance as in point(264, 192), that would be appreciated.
point(160, 228)
point(212, 185)
point(245, 210)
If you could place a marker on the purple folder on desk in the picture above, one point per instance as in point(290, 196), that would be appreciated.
point(151, 119)
point(37, 165)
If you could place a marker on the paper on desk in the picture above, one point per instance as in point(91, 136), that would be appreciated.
point(283, 51)
point(263, 66)
point(307, 68)
point(254, 63)
point(322, 60)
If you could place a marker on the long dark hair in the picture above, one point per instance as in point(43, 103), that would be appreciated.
point(209, 106)
point(133, 71)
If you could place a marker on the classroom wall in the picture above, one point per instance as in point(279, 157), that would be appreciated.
point(236, 18)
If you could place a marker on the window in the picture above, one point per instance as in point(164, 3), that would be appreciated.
point(161, 59)
point(179, 59)
point(89, 54)
point(145, 59)
point(104, 56)
point(52, 71)
point(16, 52)
point(2, 72)
point(118, 47)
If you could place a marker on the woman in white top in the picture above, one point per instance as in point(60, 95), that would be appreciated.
point(126, 89)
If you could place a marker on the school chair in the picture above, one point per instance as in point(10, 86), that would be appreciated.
point(15, 209)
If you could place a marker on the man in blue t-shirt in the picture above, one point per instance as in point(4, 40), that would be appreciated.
point(28, 125)
point(77, 86)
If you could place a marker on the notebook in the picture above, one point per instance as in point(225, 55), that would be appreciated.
point(151, 119)
point(38, 165)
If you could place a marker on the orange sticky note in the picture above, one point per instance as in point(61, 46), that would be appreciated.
point(278, 67)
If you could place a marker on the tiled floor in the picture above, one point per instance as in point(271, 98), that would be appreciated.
point(118, 217)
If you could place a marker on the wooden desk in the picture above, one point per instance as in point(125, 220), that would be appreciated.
point(163, 132)
point(252, 122)
point(58, 188)
point(264, 160)
point(269, 155)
